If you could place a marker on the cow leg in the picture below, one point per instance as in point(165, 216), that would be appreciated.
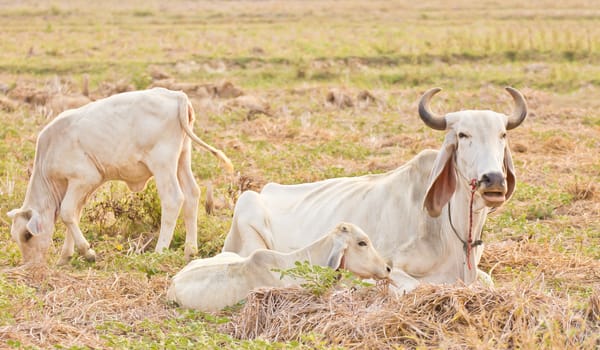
point(402, 282)
point(485, 278)
point(191, 197)
point(250, 226)
point(482, 276)
point(171, 199)
point(68, 249)
point(70, 212)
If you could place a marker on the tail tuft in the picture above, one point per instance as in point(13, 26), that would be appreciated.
point(226, 162)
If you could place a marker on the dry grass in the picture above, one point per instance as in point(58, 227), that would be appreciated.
point(514, 315)
point(431, 316)
point(70, 307)
point(572, 271)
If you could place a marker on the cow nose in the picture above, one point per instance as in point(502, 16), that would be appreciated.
point(492, 180)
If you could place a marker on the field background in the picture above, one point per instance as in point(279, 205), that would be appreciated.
point(330, 88)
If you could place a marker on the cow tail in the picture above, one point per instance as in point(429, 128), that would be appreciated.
point(186, 118)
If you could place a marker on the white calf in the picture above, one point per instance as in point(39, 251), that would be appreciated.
point(214, 283)
point(130, 137)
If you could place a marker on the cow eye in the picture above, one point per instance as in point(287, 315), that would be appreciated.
point(362, 243)
point(462, 135)
point(27, 236)
point(503, 135)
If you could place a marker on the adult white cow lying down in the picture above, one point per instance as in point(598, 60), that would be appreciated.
point(214, 283)
point(425, 217)
point(130, 137)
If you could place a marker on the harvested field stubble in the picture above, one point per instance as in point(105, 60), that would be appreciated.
point(301, 91)
point(86, 307)
point(570, 271)
point(68, 308)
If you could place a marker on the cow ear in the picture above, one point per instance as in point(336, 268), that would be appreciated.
point(34, 220)
point(442, 179)
point(11, 214)
point(343, 227)
point(511, 179)
point(337, 253)
point(34, 225)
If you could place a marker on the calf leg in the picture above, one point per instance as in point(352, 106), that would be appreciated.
point(68, 248)
point(191, 197)
point(171, 199)
point(70, 212)
point(69, 245)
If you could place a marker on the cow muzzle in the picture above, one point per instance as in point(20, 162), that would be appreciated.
point(377, 272)
point(385, 273)
point(492, 188)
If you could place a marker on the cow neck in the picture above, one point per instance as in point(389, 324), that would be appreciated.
point(316, 253)
point(464, 216)
point(43, 196)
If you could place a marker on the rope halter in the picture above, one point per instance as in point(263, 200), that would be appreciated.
point(469, 243)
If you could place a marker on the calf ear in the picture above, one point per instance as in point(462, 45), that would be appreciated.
point(337, 253)
point(34, 225)
point(343, 227)
point(442, 179)
point(11, 214)
point(511, 179)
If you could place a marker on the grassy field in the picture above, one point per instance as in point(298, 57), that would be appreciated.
point(331, 90)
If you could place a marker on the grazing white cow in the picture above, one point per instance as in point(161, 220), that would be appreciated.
point(214, 283)
point(130, 137)
point(425, 217)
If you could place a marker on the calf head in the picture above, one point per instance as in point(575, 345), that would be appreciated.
point(352, 250)
point(28, 231)
point(475, 152)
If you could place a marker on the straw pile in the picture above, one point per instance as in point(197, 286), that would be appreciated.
point(515, 315)
point(431, 316)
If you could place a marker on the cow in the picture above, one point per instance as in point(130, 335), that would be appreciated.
point(424, 217)
point(131, 137)
point(213, 283)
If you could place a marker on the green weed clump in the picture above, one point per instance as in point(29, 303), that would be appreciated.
point(116, 212)
point(321, 279)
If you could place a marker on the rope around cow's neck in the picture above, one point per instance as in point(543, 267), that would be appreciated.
point(468, 244)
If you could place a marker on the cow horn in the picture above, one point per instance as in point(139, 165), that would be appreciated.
point(431, 119)
point(520, 111)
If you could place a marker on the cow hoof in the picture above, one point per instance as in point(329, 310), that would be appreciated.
point(485, 279)
point(190, 252)
point(90, 255)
